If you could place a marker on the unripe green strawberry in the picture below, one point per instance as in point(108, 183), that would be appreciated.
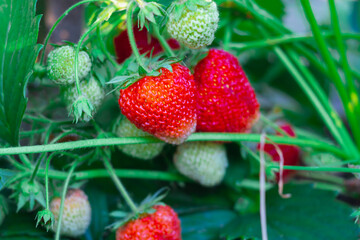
point(77, 213)
point(91, 89)
point(204, 162)
point(195, 27)
point(125, 128)
point(61, 65)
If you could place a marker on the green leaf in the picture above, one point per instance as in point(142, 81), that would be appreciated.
point(18, 50)
point(309, 214)
point(205, 225)
point(5, 176)
point(99, 212)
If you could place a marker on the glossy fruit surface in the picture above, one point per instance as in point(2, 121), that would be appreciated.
point(226, 102)
point(164, 106)
point(164, 224)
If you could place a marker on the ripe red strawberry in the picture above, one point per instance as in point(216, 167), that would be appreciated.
point(144, 42)
point(226, 102)
point(290, 153)
point(164, 106)
point(163, 224)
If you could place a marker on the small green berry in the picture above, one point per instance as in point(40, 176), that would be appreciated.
point(203, 162)
point(125, 128)
point(61, 65)
point(194, 28)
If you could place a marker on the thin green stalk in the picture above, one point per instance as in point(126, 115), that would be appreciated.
point(103, 48)
point(129, 16)
point(61, 209)
point(58, 21)
point(353, 93)
point(47, 181)
point(285, 39)
point(277, 27)
point(77, 50)
point(37, 165)
point(228, 30)
point(119, 185)
point(121, 173)
point(341, 47)
point(231, 137)
point(15, 163)
point(32, 132)
point(324, 100)
point(163, 42)
point(24, 159)
point(319, 169)
point(331, 67)
point(272, 23)
point(311, 95)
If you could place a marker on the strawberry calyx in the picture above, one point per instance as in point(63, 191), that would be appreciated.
point(131, 71)
point(82, 109)
point(148, 12)
point(180, 6)
point(28, 191)
point(146, 207)
point(46, 218)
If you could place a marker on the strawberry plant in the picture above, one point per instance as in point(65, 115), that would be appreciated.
point(186, 119)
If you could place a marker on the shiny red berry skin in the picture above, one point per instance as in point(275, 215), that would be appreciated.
point(226, 100)
point(290, 153)
point(164, 224)
point(144, 42)
point(164, 106)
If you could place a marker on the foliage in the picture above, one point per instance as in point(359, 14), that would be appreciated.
point(293, 74)
point(18, 35)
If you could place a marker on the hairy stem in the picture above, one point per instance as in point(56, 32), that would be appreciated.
point(61, 210)
point(163, 42)
point(232, 137)
point(129, 23)
point(58, 21)
point(119, 185)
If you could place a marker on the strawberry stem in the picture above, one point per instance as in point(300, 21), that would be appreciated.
point(234, 137)
point(77, 50)
point(119, 185)
point(61, 210)
point(163, 42)
point(122, 173)
point(352, 91)
point(129, 23)
point(57, 23)
point(325, 53)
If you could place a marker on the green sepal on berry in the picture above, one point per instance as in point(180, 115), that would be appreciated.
point(84, 106)
point(61, 65)
point(82, 109)
point(147, 13)
point(27, 191)
point(193, 22)
point(177, 8)
point(145, 207)
point(46, 218)
point(131, 71)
